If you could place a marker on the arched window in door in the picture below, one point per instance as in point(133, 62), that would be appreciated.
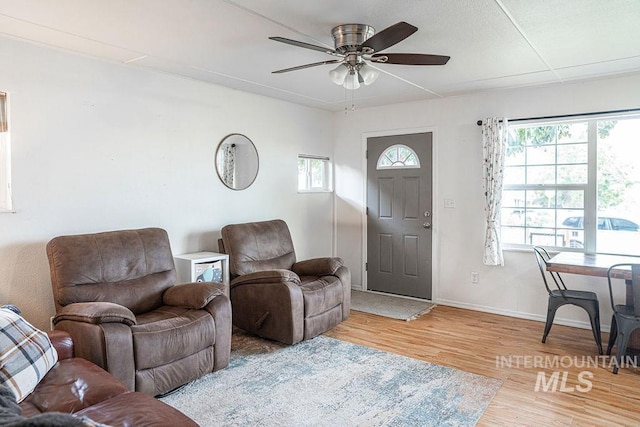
point(398, 156)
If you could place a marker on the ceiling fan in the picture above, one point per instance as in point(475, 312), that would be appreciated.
point(357, 45)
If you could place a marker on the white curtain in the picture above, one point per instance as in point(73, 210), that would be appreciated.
point(494, 142)
point(4, 126)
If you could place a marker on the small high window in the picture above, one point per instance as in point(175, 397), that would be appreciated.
point(398, 156)
point(314, 174)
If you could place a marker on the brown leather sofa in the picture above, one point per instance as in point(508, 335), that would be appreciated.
point(116, 295)
point(77, 386)
point(274, 296)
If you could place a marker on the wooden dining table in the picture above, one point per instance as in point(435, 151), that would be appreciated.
point(593, 265)
point(590, 264)
point(597, 265)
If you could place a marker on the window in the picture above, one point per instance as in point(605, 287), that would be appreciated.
point(314, 174)
point(398, 156)
point(573, 184)
point(5, 156)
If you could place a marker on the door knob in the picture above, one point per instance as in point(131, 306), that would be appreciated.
point(426, 225)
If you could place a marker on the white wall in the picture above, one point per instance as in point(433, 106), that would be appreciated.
point(100, 146)
point(516, 288)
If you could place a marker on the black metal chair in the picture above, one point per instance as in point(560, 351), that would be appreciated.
point(626, 318)
point(558, 297)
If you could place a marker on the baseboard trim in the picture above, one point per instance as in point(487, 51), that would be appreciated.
point(519, 315)
point(508, 313)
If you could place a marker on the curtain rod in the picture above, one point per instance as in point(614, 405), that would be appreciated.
point(312, 157)
point(563, 116)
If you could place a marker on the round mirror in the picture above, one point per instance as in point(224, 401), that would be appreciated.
point(237, 161)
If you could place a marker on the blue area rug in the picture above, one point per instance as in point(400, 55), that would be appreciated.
point(328, 382)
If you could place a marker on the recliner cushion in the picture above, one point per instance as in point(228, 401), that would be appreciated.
point(128, 267)
point(169, 334)
point(258, 246)
point(320, 294)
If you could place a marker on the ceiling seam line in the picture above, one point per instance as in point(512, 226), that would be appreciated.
point(526, 39)
point(406, 81)
point(69, 34)
point(599, 62)
point(249, 82)
point(273, 21)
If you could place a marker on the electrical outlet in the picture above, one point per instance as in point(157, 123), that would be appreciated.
point(475, 277)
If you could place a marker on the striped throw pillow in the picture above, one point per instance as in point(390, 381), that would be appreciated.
point(26, 354)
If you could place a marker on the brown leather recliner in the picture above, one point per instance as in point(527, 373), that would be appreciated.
point(116, 295)
point(274, 296)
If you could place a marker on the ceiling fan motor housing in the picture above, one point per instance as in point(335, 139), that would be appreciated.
point(348, 37)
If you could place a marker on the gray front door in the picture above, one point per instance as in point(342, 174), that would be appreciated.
point(399, 214)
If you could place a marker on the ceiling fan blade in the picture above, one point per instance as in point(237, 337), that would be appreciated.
point(389, 36)
point(410, 59)
point(302, 67)
point(304, 45)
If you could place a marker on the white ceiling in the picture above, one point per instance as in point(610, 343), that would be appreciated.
point(492, 43)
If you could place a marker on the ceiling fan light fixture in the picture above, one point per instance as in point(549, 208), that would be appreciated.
point(368, 74)
point(352, 82)
point(339, 74)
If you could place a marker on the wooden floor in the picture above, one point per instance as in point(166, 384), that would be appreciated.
point(484, 344)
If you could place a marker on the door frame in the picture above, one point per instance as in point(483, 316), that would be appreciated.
point(435, 207)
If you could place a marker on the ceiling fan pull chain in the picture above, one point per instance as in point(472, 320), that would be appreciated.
point(346, 109)
point(353, 104)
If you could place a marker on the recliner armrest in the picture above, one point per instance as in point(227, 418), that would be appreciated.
point(267, 276)
point(192, 295)
point(95, 313)
point(63, 343)
point(326, 266)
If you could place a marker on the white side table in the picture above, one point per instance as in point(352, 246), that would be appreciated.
point(186, 266)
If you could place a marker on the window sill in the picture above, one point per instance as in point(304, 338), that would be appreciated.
point(530, 249)
point(314, 191)
point(557, 250)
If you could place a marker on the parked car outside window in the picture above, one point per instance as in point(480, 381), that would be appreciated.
point(613, 233)
point(604, 223)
